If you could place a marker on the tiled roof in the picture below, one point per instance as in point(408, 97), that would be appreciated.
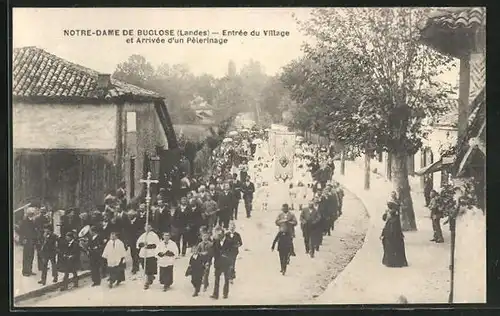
point(455, 18)
point(37, 73)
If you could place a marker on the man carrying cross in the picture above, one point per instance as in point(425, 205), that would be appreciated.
point(148, 241)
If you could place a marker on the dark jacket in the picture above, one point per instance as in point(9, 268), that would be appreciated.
point(324, 208)
point(69, 255)
point(222, 253)
point(235, 241)
point(28, 232)
point(49, 243)
point(178, 221)
point(236, 189)
point(40, 221)
point(121, 226)
point(226, 201)
point(195, 218)
point(196, 267)
point(95, 247)
point(310, 218)
point(106, 228)
point(161, 219)
point(135, 230)
point(284, 241)
point(248, 191)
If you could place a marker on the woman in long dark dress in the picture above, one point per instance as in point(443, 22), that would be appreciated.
point(393, 239)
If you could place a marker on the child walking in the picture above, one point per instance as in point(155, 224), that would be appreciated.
point(167, 251)
point(196, 269)
point(284, 241)
point(115, 253)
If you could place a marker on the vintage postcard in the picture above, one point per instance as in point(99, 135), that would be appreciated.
point(248, 156)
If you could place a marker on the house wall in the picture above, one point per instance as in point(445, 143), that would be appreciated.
point(63, 126)
point(470, 258)
point(63, 153)
point(147, 136)
point(64, 177)
point(437, 139)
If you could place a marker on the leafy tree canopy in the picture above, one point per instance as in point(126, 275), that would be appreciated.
point(367, 80)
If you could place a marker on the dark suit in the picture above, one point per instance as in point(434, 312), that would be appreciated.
point(121, 227)
point(226, 204)
point(40, 222)
point(326, 214)
point(236, 242)
point(28, 235)
point(179, 228)
point(285, 247)
point(334, 206)
point(194, 221)
point(69, 260)
point(222, 265)
point(161, 220)
point(248, 191)
point(48, 253)
point(134, 231)
point(95, 248)
point(105, 231)
point(236, 191)
point(314, 228)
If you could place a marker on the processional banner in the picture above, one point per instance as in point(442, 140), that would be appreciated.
point(284, 155)
point(272, 142)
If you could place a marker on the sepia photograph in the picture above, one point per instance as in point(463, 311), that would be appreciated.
point(248, 156)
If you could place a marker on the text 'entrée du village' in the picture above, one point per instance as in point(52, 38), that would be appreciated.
point(172, 36)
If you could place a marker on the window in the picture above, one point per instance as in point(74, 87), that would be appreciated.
point(131, 122)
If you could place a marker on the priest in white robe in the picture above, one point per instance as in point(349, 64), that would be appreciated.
point(148, 243)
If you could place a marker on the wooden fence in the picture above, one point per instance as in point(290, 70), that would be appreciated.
point(62, 178)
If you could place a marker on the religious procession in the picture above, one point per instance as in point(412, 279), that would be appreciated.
point(237, 177)
point(198, 220)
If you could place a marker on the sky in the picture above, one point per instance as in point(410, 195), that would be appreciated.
point(44, 28)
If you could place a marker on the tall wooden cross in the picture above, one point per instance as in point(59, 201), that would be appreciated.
point(148, 182)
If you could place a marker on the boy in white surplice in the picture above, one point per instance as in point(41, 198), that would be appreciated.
point(167, 252)
point(115, 253)
point(148, 243)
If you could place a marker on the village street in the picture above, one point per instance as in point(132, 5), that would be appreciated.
point(306, 277)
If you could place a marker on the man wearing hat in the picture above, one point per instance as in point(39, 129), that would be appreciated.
point(287, 219)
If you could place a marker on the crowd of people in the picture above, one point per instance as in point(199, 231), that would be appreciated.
point(199, 217)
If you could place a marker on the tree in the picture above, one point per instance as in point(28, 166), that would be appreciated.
point(369, 83)
point(136, 70)
point(231, 69)
point(275, 98)
point(254, 78)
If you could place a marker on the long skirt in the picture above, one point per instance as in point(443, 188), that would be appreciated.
point(394, 253)
point(116, 274)
point(151, 265)
point(167, 275)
